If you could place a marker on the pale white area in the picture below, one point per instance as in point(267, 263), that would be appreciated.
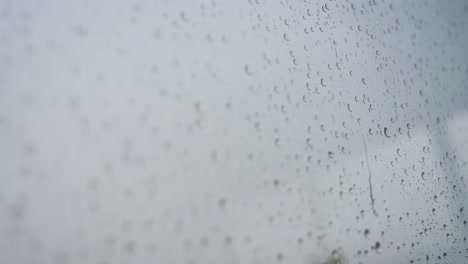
point(233, 131)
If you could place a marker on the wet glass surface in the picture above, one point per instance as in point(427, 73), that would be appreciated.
point(233, 131)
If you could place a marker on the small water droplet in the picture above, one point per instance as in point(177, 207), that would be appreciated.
point(247, 70)
point(322, 82)
point(366, 233)
point(386, 132)
point(377, 247)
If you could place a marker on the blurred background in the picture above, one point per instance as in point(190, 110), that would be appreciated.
point(246, 131)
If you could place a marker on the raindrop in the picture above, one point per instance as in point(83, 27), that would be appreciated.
point(386, 132)
point(377, 247)
point(322, 82)
point(366, 233)
point(247, 70)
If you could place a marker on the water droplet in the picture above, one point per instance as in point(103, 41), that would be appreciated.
point(377, 247)
point(322, 82)
point(247, 70)
point(366, 233)
point(386, 132)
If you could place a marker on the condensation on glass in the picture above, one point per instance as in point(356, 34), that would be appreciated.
point(233, 131)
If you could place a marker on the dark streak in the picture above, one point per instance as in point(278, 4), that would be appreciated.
point(370, 178)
